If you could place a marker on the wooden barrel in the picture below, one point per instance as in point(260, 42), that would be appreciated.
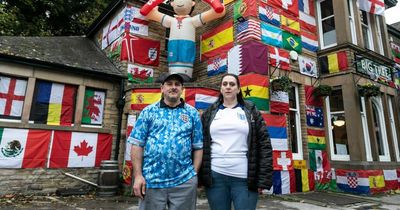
point(108, 180)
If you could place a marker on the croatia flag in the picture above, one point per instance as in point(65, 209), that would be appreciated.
point(269, 14)
point(356, 181)
point(217, 65)
point(76, 149)
point(12, 95)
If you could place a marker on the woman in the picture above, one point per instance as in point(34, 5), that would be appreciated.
point(237, 153)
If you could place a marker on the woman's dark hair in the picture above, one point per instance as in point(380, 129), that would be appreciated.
point(239, 95)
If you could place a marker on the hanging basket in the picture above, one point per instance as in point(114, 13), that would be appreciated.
point(283, 83)
point(322, 91)
point(369, 90)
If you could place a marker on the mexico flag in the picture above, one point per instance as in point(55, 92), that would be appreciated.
point(23, 148)
point(76, 149)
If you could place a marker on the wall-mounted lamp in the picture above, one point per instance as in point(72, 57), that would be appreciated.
point(293, 55)
point(338, 121)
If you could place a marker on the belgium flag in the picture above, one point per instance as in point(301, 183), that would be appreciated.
point(333, 63)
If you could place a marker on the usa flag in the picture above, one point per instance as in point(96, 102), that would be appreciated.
point(248, 30)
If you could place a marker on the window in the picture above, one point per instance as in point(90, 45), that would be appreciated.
point(294, 124)
point(12, 96)
point(93, 107)
point(366, 30)
point(379, 129)
point(367, 141)
point(352, 22)
point(379, 34)
point(393, 127)
point(326, 23)
point(339, 147)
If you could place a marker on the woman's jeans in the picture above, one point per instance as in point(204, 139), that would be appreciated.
point(226, 190)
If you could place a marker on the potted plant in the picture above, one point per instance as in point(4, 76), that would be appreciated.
point(283, 83)
point(322, 90)
point(369, 90)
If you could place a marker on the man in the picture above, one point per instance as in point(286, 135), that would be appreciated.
point(165, 136)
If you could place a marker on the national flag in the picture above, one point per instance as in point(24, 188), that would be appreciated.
point(135, 23)
point(290, 6)
point(310, 99)
point(139, 50)
point(93, 106)
point(201, 98)
point(309, 41)
point(139, 74)
point(282, 160)
point(307, 23)
point(325, 180)
point(127, 168)
point(279, 58)
point(398, 176)
point(299, 164)
point(308, 66)
point(319, 161)
point(23, 148)
point(333, 62)
point(316, 139)
point(115, 49)
point(307, 6)
point(277, 130)
point(216, 41)
point(255, 87)
point(290, 23)
point(391, 182)
point(314, 116)
point(142, 97)
point(283, 182)
point(248, 30)
point(279, 102)
point(77, 149)
point(112, 30)
point(269, 14)
point(291, 42)
point(12, 96)
point(244, 8)
point(271, 35)
point(304, 180)
point(217, 65)
point(372, 6)
point(376, 181)
point(127, 171)
point(53, 103)
point(395, 50)
point(249, 57)
point(353, 181)
point(227, 1)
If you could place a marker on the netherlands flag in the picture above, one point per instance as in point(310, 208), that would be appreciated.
point(276, 126)
point(201, 98)
point(309, 41)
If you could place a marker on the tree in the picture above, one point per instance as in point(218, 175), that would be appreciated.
point(48, 17)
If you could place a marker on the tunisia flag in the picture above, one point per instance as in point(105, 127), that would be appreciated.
point(76, 149)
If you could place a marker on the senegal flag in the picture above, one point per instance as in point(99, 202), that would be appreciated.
point(255, 88)
point(142, 97)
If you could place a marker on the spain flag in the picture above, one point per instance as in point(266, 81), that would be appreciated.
point(216, 41)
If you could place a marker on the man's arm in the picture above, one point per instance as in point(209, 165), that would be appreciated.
point(139, 185)
point(197, 157)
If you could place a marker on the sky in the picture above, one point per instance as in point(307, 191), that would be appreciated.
point(391, 16)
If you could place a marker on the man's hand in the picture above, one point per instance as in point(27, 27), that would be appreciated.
point(139, 187)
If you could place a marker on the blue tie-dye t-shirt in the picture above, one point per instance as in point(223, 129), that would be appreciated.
point(168, 136)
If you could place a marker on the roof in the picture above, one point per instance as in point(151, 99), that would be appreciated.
point(396, 26)
point(75, 54)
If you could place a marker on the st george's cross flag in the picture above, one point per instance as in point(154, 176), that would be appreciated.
point(282, 160)
point(269, 14)
point(217, 65)
point(279, 58)
point(277, 129)
point(249, 57)
point(307, 7)
point(308, 66)
point(78, 150)
point(279, 102)
point(93, 106)
point(283, 182)
point(23, 148)
point(376, 7)
point(12, 96)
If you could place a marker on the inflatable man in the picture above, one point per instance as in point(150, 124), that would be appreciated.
point(181, 43)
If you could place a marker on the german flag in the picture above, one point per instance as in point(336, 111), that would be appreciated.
point(141, 98)
point(216, 41)
point(333, 63)
point(255, 88)
point(316, 139)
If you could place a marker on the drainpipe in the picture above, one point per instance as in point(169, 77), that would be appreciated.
point(120, 107)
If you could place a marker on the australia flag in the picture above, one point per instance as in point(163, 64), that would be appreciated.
point(315, 116)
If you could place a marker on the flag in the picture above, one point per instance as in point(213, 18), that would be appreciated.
point(282, 160)
point(299, 164)
point(217, 65)
point(216, 41)
point(309, 41)
point(353, 181)
point(23, 148)
point(290, 6)
point(115, 49)
point(227, 1)
point(395, 49)
point(325, 180)
point(12, 96)
point(307, 23)
point(142, 97)
point(372, 6)
point(391, 182)
point(53, 103)
point(269, 14)
point(283, 182)
point(376, 181)
point(316, 139)
point(333, 63)
point(244, 8)
point(201, 98)
point(279, 102)
point(310, 99)
point(277, 130)
point(139, 50)
point(291, 42)
point(249, 57)
point(127, 168)
point(248, 30)
point(135, 23)
point(304, 180)
point(308, 66)
point(78, 150)
point(93, 107)
point(314, 116)
point(112, 30)
point(290, 23)
point(279, 58)
point(271, 35)
point(255, 88)
point(307, 7)
point(319, 161)
point(139, 74)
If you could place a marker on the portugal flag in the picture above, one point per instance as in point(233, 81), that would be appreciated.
point(255, 88)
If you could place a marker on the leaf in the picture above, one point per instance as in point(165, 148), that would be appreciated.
point(83, 149)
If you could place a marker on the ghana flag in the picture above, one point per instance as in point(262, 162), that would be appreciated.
point(255, 88)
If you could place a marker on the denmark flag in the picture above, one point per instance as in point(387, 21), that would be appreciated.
point(279, 58)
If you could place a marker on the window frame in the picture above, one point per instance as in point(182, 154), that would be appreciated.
point(393, 128)
point(379, 38)
point(299, 142)
point(369, 31)
point(364, 123)
point(321, 34)
point(377, 100)
point(352, 22)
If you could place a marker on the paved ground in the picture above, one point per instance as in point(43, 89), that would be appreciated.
point(306, 201)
